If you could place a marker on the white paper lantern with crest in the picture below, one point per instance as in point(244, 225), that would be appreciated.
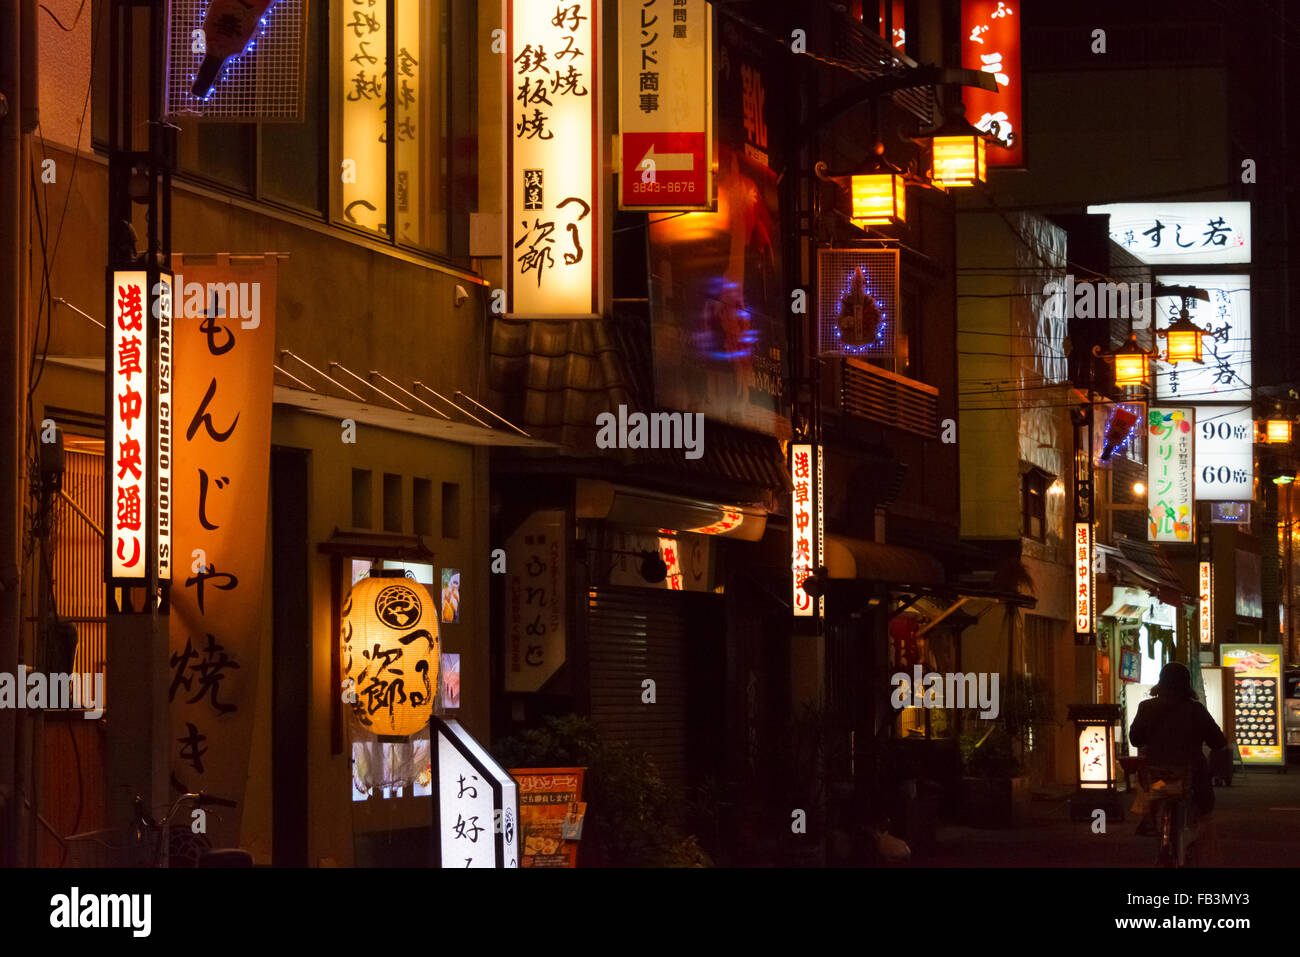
point(390, 653)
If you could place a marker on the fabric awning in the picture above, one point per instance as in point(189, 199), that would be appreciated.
point(877, 561)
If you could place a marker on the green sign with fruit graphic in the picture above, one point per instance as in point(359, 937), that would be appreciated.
point(1171, 502)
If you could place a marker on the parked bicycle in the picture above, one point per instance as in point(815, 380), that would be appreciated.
point(161, 840)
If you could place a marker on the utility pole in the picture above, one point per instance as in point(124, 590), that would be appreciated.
point(16, 112)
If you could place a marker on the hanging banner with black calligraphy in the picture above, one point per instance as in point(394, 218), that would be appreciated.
point(552, 221)
point(535, 592)
point(224, 342)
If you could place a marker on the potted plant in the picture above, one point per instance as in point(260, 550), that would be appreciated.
point(996, 756)
point(995, 792)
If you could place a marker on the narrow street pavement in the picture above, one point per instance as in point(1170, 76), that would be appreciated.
point(1259, 826)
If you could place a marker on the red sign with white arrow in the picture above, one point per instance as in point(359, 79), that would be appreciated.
point(664, 169)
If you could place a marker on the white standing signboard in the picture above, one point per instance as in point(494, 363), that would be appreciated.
point(478, 802)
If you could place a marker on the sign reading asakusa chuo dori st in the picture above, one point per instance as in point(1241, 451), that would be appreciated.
point(138, 465)
point(552, 221)
point(665, 104)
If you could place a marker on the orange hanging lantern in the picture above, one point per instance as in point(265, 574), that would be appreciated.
point(1277, 431)
point(390, 653)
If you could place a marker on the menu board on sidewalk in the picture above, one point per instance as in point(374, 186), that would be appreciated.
point(1258, 693)
point(551, 811)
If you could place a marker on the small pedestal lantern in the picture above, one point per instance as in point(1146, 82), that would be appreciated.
point(1094, 739)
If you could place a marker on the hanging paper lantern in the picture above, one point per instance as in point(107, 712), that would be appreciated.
point(390, 653)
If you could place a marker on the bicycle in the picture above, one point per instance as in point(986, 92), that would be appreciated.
point(156, 837)
point(1169, 796)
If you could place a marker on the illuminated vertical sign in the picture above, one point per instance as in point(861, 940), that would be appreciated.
point(361, 92)
point(1225, 375)
point(990, 43)
point(552, 189)
point(1205, 611)
point(672, 563)
point(895, 22)
point(1171, 481)
point(1082, 578)
point(163, 416)
point(128, 460)
point(806, 523)
point(1225, 453)
point(665, 104)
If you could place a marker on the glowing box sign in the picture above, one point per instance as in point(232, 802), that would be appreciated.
point(1225, 453)
point(1181, 233)
point(1260, 701)
point(552, 189)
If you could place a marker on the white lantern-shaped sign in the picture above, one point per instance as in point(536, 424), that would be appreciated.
point(390, 653)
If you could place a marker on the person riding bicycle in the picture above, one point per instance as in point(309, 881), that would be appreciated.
point(1169, 730)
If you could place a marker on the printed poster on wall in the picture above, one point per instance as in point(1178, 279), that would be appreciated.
point(665, 104)
point(552, 190)
point(1171, 483)
point(717, 294)
point(224, 351)
point(535, 589)
point(550, 807)
point(1259, 700)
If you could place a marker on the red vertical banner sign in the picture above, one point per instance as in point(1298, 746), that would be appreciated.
point(223, 355)
point(990, 42)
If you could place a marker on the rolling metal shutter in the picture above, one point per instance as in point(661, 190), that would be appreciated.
point(634, 634)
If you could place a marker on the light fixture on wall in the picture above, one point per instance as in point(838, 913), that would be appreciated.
point(1277, 431)
point(958, 151)
point(1131, 362)
point(1183, 338)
